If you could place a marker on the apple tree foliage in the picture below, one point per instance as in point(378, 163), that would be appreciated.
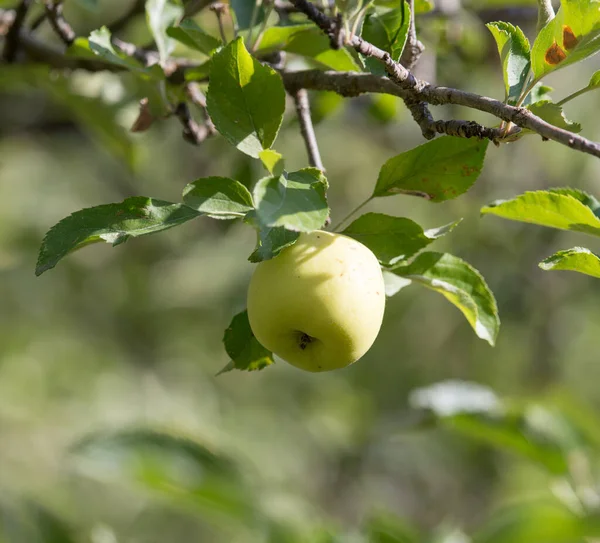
point(243, 79)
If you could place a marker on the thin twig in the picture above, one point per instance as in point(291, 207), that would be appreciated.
point(198, 98)
point(220, 9)
point(37, 22)
point(355, 210)
point(263, 26)
point(193, 132)
point(400, 83)
point(137, 8)
point(54, 11)
point(11, 44)
point(354, 84)
point(306, 128)
point(545, 13)
point(413, 48)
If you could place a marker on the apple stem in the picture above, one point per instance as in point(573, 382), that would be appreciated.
point(356, 209)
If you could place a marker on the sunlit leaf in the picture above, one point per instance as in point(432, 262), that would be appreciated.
point(554, 209)
point(461, 284)
point(392, 239)
point(295, 200)
point(190, 34)
point(308, 41)
point(388, 31)
point(271, 241)
point(168, 464)
point(550, 521)
point(438, 170)
point(162, 14)
point(111, 223)
point(578, 259)
point(218, 197)
point(573, 35)
point(247, 13)
point(553, 114)
point(531, 430)
point(513, 48)
point(244, 349)
point(272, 161)
point(245, 99)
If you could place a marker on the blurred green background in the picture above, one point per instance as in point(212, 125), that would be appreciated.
point(123, 344)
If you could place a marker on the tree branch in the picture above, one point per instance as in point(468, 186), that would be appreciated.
point(397, 73)
point(137, 8)
point(11, 44)
point(300, 97)
point(354, 84)
point(545, 13)
point(193, 132)
point(413, 48)
point(400, 82)
point(54, 11)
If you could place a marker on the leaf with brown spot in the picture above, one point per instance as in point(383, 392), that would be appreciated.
point(438, 170)
point(572, 36)
point(554, 55)
point(570, 41)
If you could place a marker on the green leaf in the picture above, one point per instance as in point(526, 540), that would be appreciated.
point(308, 41)
point(26, 521)
point(271, 241)
point(93, 115)
point(585, 198)
point(161, 14)
point(112, 223)
point(384, 107)
point(595, 80)
point(461, 284)
point(577, 259)
point(91, 5)
point(173, 465)
point(550, 521)
point(272, 161)
point(553, 209)
point(245, 99)
point(423, 6)
point(99, 42)
point(394, 283)
point(438, 170)
point(573, 35)
point(386, 528)
point(513, 48)
point(293, 200)
point(388, 31)
point(553, 114)
point(243, 12)
point(392, 239)
point(218, 197)
point(190, 34)
point(198, 73)
point(244, 349)
point(530, 429)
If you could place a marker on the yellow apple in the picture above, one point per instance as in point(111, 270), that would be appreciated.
point(318, 304)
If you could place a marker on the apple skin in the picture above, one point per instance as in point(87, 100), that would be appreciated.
point(319, 304)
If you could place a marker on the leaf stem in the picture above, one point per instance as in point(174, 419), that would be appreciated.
point(253, 18)
point(355, 210)
point(263, 26)
point(574, 95)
